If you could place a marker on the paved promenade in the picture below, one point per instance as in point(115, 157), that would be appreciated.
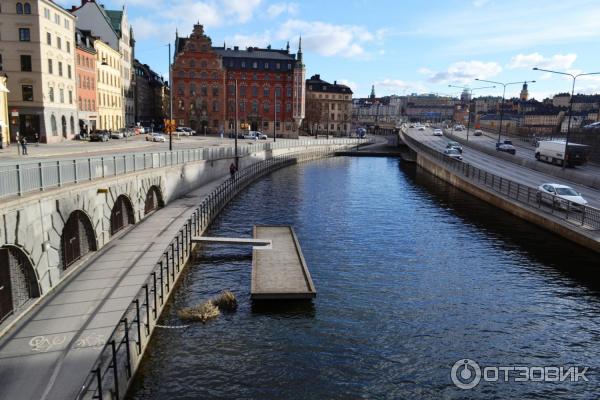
point(51, 351)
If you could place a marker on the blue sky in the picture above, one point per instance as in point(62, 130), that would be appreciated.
point(401, 46)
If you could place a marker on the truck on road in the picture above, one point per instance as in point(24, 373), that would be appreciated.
point(553, 152)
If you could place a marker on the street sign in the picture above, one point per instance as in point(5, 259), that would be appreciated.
point(14, 113)
point(170, 125)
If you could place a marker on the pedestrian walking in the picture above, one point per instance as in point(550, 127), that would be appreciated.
point(232, 170)
point(24, 146)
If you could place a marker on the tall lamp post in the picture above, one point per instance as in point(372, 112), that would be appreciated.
point(470, 90)
point(504, 85)
point(170, 98)
point(570, 101)
point(235, 132)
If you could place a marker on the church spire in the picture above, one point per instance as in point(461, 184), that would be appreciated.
point(300, 49)
point(372, 96)
point(288, 46)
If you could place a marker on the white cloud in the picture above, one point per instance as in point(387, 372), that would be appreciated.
point(241, 10)
point(463, 72)
point(254, 40)
point(351, 84)
point(275, 10)
point(557, 61)
point(395, 86)
point(328, 39)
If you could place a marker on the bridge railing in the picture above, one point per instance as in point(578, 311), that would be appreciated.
point(123, 349)
point(22, 177)
point(585, 217)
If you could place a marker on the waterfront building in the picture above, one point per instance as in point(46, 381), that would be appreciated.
point(151, 96)
point(109, 87)
point(268, 84)
point(38, 55)
point(378, 115)
point(430, 107)
point(328, 107)
point(113, 28)
point(86, 74)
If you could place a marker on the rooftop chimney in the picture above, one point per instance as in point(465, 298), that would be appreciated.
point(236, 48)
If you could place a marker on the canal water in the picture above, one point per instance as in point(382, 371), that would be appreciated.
point(412, 276)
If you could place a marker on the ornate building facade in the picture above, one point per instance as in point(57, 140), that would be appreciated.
point(220, 89)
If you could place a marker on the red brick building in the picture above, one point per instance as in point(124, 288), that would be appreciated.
point(268, 84)
point(86, 75)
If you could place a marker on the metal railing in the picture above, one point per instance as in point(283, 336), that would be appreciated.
point(585, 217)
point(22, 177)
point(122, 351)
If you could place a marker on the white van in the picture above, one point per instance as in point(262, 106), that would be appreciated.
point(255, 135)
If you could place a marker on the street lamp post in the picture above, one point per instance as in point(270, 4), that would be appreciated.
point(570, 102)
point(469, 106)
point(504, 85)
point(170, 99)
point(275, 115)
point(235, 132)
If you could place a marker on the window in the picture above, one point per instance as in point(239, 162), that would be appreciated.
point(266, 65)
point(27, 8)
point(67, 24)
point(215, 106)
point(24, 35)
point(288, 107)
point(80, 103)
point(231, 106)
point(214, 75)
point(277, 66)
point(278, 91)
point(243, 90)
point(51, 94)
point(50, 66)
point(26, 63)
point(54, 126)
point(266, 91)
point(204, 91)
point(289, 66)
point(48, 39)
point(215, 91)
point(93, 105)
point(266, 106)
point(1, 68)
point(254, 90)
point(254, 106)
point(278, 107)
point(62, 96)
point(59, 43)
point(289, 91)
point(68, 47)
point(254, 65)
point(192, 89)
point(243, 66)
point(70, 97)
point(69, 73)
point(19, 8)
point(232, 90)
point(243, 106)
point(57, 19)
point(60, 68)
point(27, 91)
point(47, 13)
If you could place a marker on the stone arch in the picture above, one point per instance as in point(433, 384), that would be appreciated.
point(121, 214)
point(153, 200)
point(77, 239)
point(18, 280)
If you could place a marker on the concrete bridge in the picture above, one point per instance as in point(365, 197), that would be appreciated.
point(55, 213)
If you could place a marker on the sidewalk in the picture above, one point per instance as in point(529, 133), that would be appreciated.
point(52, 350)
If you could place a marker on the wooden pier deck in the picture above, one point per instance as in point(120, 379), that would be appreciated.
point(280, 272)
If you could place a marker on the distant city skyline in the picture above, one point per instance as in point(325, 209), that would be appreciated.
point(401, 48)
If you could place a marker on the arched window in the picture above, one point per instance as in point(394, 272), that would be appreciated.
point(121, 214)
point(266, 106)
point(63, 121)
point(153, 200)
point(215, 106)
point(192, 75)
point(19, 8)
point(215, 76)
point(17, 280)
point(77, 239)
point(27, 8)
point(254, 106)
point(266, 91)
point(72, 121)
point(53, 125)
point(192, 89)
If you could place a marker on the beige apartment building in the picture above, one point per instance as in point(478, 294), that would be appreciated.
point(38, 55)
point(111, 115)
point(328, 107)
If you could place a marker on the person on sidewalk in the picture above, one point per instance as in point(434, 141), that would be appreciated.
point(232, 170)
point(24, 146)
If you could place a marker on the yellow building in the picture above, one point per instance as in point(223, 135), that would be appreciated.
point(110, 98)
point(4, 126)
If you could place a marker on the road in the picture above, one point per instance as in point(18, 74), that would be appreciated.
point(505, 169)
point(524, 150)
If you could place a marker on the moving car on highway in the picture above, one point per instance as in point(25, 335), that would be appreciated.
point(553, 152)
point(454, 145)
point(506, 147)
point(438, 132)
point(453, 153)
point(478, 132)
point(421, 128)
point(560, 196)
point(156, 137)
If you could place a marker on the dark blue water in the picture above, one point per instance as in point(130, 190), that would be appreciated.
point(412, 275)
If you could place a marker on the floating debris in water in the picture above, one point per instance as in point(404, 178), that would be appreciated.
point(226, 301)
point(202, 312)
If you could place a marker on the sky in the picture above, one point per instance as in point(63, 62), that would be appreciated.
point(400, 46)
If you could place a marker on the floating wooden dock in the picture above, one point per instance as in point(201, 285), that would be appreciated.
point(224, 240)
point(279, 272)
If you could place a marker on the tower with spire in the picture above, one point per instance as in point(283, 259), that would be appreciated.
point(524, 92)
point(372, 95)
point(299, 87)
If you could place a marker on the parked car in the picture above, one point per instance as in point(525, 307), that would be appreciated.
point(256, 135)
point(99, 136)
point(560, 196)
point(421, 128)
point(185, 131)
point(438, 132)
point(478, 132)
point(453, 153)
point(158, 137)
point(455, 145)
point(117, 135)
